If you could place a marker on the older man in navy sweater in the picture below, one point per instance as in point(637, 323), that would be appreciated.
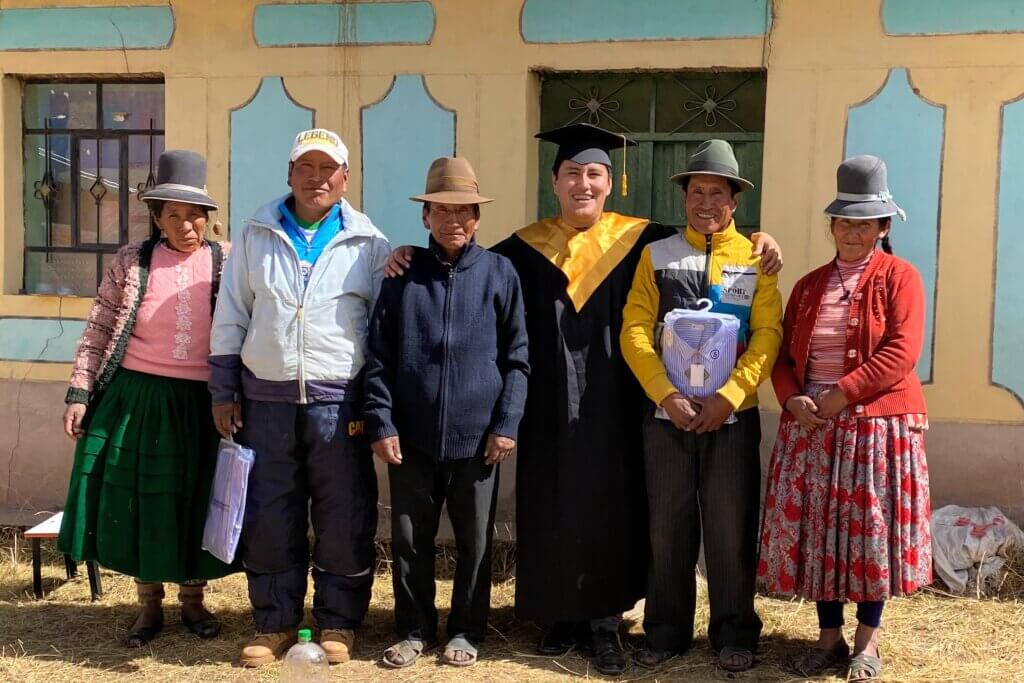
point(446, 386)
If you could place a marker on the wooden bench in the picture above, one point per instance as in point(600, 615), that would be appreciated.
point(49, 529)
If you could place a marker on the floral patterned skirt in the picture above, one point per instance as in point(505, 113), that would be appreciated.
point(847, 509)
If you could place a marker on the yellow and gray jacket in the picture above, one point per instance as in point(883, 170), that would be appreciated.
point(678, 271)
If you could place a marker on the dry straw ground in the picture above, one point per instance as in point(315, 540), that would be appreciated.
point(929, 637)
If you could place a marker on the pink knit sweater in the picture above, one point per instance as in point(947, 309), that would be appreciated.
point(111, 322)
point(171, 337)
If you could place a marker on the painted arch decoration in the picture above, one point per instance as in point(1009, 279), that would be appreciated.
point(86, 28)
point(907, 131)
point(344, 23)
point(944, 17)
point(1007, 321)
point(262, 132)
point(582, 21)
point(401, 134)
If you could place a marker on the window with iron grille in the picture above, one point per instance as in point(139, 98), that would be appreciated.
point(90, 150)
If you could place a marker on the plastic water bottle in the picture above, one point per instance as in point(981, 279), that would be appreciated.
point(306, 662)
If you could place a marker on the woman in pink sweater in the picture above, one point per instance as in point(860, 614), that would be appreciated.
point(139, 409)
point(847, 508)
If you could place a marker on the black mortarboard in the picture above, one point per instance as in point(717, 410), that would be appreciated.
point(583, 143)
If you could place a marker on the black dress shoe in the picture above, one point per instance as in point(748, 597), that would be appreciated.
point(558, 639)
point(607, 657)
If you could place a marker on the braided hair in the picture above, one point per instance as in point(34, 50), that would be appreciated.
point(886, 243)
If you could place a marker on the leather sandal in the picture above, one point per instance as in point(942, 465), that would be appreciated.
point(150, 621)
point(864, 667)
point(405, 652)
point(202, 623)
point(456, 645)
point(817, 660)
point(650, 658)
point(729, 652)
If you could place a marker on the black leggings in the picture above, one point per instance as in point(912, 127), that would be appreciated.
point(830, 613)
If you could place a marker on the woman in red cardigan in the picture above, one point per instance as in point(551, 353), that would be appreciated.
point(847, 508)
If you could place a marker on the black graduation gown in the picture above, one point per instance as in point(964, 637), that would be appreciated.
point(581, 506)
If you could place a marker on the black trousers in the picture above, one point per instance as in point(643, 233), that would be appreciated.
point(419, 487)
point(311, 464)
point(708, 482)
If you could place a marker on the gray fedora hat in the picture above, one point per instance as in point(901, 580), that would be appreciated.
point(862, 190)
point(181, 177)
point(714, 157)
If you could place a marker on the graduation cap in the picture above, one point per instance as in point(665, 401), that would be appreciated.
point(583, 143)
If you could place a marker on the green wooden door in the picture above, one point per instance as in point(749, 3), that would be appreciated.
point(669, 115)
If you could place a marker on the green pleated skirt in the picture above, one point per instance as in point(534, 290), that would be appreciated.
point(141, 481)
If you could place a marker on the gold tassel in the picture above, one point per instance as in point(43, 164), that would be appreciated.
point(625, 177)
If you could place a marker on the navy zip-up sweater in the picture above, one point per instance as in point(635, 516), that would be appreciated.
point(448, 354)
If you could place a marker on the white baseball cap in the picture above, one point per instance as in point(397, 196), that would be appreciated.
point(322, 140)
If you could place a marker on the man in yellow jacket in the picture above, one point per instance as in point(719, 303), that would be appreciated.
point(701, 470)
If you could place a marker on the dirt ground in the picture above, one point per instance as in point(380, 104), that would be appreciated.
point(65, 637)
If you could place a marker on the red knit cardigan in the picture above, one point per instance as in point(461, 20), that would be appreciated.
point(883, 338)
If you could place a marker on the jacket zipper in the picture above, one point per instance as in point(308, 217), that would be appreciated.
point(445, 362)
point(706, 284)
point(300, 312)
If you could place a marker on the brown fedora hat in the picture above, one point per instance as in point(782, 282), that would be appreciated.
point(451, 180)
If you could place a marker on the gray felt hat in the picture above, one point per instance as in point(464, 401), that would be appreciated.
point(862, 190)
point(714, 157)
point(181, 177)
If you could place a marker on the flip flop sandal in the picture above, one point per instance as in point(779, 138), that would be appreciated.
point(864, 667)
point(726, 654)
point(455, 645)
point(406, 652)
point(817, 659)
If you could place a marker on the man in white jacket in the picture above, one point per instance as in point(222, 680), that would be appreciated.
point(287, 351)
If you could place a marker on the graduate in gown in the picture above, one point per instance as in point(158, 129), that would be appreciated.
point(581, 510)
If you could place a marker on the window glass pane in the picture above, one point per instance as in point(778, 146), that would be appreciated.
point(138, 172)
point(67, 105)
point(58, 186)
point(64, 274)
point(98, 191)
point(133, 105)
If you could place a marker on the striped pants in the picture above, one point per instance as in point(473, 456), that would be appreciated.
point(709, 482)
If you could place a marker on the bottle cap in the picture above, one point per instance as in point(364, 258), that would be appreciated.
point(305, 635)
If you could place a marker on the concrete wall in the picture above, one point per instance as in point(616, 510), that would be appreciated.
point(468, 64)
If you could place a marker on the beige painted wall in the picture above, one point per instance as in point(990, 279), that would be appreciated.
point(823, 56)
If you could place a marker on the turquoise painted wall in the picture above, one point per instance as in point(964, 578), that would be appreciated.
point(915, 17)
point(262, 133)
point(578, 21)
point(1008, 320)
point(343, 24)
point(402, 134)
point(39, 339)
point(907, 132)
point(86, 28)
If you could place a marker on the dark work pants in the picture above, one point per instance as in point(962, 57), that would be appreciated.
point(419, 487)
point(708, 482)
point(308, 467)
